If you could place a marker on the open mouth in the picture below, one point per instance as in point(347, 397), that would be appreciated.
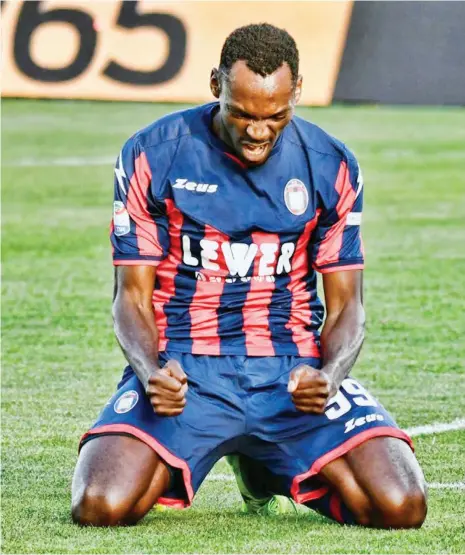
point(253, 150)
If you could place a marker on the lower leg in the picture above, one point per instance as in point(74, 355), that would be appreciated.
point(381, 483)
point(377, 484)
point(158, 486)
point(117, 480)
point(333, 507)
point(345, 502)
point(388, 471)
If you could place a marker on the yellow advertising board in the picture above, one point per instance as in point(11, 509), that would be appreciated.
point(155, 51)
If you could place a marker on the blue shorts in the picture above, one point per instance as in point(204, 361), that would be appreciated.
point(238, 404)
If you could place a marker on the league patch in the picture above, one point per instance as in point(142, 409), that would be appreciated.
point(126, 402)
point(296, 197)
point(354, 218)
point(121, 219)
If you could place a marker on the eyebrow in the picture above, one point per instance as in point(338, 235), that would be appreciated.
point(232, 108)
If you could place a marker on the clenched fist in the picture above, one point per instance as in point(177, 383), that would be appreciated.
point(310, 389)
point(167, 389)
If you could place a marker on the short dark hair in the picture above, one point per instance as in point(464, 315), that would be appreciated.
point(263, 47)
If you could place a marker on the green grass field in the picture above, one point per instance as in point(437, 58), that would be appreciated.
point(61, 362)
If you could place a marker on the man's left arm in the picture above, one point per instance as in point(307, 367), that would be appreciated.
point(344, 329)
point(337, 252)
point(341, 341)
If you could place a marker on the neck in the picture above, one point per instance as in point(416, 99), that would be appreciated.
point(220, 131)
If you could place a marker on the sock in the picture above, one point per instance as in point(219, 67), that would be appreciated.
point(332, 506)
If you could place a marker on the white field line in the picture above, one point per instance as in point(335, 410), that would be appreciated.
point(431, 485)
point(452, 485)
point(61, 162)
point(221, 478)
point(458, 424)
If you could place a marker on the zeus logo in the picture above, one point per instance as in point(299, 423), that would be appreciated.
point(195, 187)
point(361, 421)
point(239, 257)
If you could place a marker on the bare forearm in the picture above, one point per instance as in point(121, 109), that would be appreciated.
point(341, 341)
point(137, 334)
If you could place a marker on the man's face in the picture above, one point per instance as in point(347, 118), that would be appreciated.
point(254, 110)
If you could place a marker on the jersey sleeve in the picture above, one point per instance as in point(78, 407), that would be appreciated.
point(139, 229)
point(337, 242)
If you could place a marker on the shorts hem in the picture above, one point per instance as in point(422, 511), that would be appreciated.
point(355, 441)
point(160, 450)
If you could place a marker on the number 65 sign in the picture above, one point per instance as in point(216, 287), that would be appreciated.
point(146, 50)
point(86, 45)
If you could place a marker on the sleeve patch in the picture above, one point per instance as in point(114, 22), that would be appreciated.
point(354, 218)
point(120, 219)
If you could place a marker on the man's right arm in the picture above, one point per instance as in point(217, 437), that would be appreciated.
point(137, 334)
point(134, 319)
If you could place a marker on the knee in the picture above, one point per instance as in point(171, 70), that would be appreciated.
point(403, 508)
point(96, 507)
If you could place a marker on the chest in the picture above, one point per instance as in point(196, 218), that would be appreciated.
point(210, 189)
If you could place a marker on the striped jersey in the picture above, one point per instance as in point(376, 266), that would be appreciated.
point(236, 248)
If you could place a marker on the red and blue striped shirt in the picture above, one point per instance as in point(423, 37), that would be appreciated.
point(236, 249)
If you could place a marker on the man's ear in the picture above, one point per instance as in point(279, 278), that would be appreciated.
point(215, 85)
point(298, 89)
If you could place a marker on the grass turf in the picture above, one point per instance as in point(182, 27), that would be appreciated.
point(61, 362)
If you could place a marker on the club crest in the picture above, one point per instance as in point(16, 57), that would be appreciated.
point(296, 197)
point(126, 402)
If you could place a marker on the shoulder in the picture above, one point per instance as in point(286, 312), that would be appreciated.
point(166, 132)
point(151, 151)
point(334, 166)
point(319, 142)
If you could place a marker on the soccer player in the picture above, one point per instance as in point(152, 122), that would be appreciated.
point(223, 214)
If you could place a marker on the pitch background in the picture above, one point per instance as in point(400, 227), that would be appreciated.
point(61, 362)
